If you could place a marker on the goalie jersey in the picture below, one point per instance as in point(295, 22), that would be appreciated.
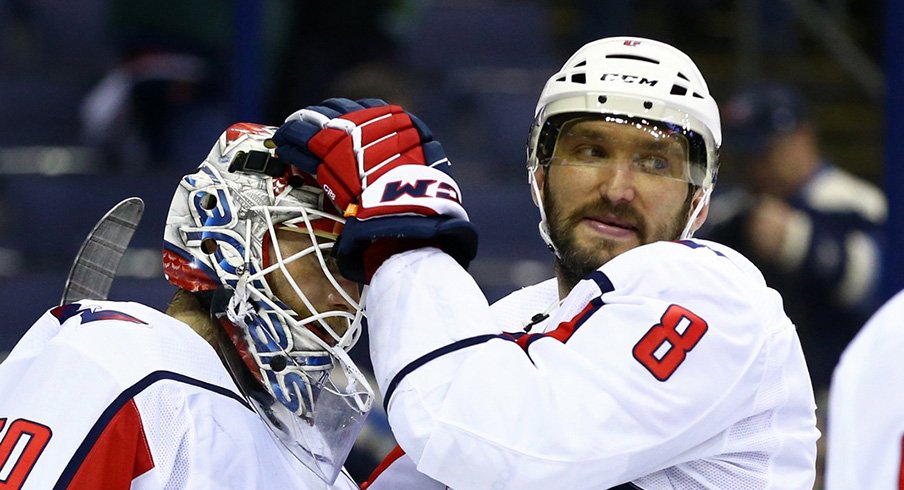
point(672, 366)
point(118, 395)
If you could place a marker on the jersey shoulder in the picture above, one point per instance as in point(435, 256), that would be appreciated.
point(516, 309)
point(878, 341)
point(704, 276)
point(91, 366)
point(686, 261)
point(122, 342)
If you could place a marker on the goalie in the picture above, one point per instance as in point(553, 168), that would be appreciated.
point(244, 382)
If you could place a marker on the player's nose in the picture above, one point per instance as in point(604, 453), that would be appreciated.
point(617, 182)
point(338, 301)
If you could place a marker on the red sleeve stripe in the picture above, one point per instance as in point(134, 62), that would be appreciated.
point(119, 455)
point(396, 453)
point(901, 470)
point(566, 330)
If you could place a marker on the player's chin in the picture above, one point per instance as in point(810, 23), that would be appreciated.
point(592, 239)
point(591, 254)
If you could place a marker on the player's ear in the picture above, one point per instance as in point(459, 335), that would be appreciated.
point(704, 212)
point(539, 176)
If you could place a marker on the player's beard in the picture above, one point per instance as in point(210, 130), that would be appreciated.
point(574, 261)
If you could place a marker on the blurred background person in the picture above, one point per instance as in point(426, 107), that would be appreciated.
point(813, 228)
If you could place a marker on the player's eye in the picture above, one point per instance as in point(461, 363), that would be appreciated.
point(332, 264)
point(590, 153)
point(653, 164)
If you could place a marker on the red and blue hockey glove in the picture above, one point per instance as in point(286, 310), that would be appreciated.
point(381, 166)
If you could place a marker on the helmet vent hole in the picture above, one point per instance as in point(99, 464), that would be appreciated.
point(560, 79)
point(295, 181)
point(647, 104)
point(579, 78)
point(632, 57)
point(678, 90)
point(601, 99)
point(681, 75)
point(698, 95)
point(208, 246)
point(581, 63)
point(209, 201)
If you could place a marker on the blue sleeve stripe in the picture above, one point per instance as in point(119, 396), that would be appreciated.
point(523, 339)
point(458, 345)
point(602, 281)
point(696, 245)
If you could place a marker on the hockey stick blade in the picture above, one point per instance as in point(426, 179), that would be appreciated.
point(95, 265)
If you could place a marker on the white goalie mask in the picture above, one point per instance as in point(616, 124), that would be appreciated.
point(639, 82)
point(222, 235)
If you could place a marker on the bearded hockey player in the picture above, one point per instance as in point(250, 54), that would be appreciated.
point(652, 360)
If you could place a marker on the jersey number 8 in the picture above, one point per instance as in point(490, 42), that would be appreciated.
point(663, 348)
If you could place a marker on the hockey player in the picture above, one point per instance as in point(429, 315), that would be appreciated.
point(652, 360)
point(865, 432)
point(244, 382)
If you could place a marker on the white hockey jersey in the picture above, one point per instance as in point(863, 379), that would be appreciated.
point(865, 424)
point(672, 366)
point(118, 395)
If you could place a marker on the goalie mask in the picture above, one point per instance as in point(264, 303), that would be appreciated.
point(646, 84)
point(223, 236)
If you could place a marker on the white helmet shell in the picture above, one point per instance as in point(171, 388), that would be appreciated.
point(636, 78)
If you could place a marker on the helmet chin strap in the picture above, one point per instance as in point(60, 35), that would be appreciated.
point(544, 224)
point(689, 227)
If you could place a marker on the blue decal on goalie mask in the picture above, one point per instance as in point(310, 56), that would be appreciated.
point(218, 214)
point(296, 392)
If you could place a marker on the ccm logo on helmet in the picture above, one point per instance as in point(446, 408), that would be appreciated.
point(420, 188)
point(615, 77)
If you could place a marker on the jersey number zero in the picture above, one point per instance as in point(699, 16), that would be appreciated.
point(28, 440)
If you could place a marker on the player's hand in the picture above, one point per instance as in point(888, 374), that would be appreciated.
point(767, 227)
point(350, 145)
point(382, 167)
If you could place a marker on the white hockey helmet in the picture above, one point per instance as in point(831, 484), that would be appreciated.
point(643, 82)
point(221, 223)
